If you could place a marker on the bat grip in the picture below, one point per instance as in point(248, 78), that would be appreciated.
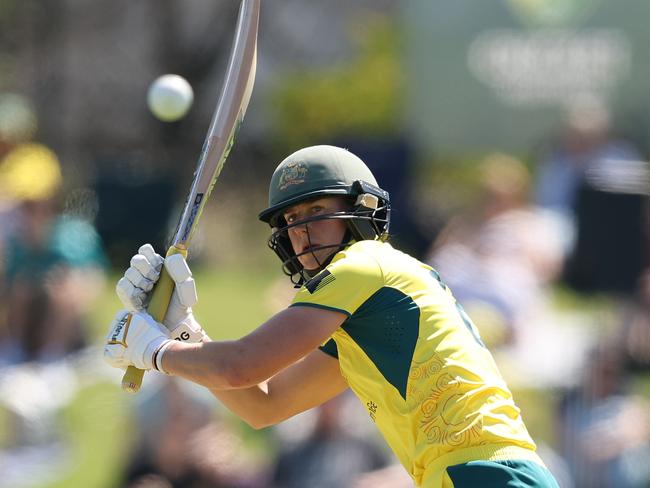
point(158, 305)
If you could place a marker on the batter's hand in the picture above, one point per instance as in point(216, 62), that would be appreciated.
point(134, 288)
point(133, 339)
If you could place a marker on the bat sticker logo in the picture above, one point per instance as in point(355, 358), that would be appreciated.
point(193, 213)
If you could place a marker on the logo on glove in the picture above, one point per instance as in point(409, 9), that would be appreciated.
point(183, 336)
point(121, 330)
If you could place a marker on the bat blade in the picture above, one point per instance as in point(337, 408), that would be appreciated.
point(225, 123)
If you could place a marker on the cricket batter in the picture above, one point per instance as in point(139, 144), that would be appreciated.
point(365, 317)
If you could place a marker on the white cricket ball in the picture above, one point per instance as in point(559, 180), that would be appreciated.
point(170, 97)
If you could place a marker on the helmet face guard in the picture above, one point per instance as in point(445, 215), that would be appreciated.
point(368, 219)
point(318, 172)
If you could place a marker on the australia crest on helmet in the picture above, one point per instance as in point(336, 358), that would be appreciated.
point(293, 173)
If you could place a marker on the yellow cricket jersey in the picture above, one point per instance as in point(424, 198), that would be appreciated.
point(416, 361)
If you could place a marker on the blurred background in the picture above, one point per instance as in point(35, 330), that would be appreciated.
point(512, 135)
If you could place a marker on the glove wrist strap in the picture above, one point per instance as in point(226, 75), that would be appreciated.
point(158, 354)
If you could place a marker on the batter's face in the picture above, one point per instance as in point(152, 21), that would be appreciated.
point(311, 235)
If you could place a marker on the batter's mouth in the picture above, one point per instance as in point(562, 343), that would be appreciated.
point(310, 248)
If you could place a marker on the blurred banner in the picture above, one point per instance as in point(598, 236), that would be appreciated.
point(500, 72)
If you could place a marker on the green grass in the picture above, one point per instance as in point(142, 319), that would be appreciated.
point(98, 424)
point(232, 303)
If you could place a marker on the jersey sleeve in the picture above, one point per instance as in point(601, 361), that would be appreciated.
point(343, 286)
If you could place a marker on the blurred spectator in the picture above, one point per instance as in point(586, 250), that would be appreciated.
point(635, 330)
point(598, 185)
point(17, 126)
point(499, 257)
point(52, 263)
point(309, 462)
point(604, 430)
point(50, 269)
point(563, 163)
point(180, 444)
point(17, 121)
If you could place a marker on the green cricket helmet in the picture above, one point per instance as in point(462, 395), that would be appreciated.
point(315, 172)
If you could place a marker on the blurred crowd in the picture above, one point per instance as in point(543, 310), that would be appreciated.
point(552, 262)
point(52, 269)
point(577, 228)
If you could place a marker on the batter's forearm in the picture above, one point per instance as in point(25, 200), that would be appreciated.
point(253, 405)
point(215, 365)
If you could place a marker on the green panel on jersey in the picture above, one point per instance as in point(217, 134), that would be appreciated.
point(488, 474)
point(386, 327)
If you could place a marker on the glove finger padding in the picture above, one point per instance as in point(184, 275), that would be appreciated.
point(179, 318)
point(181, 274)
point(145, 267)
point(138, 280)
point(152, 256)
point(131, 297)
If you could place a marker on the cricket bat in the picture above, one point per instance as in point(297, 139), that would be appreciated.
point(226, 120)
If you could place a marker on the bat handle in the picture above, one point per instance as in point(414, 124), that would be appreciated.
point(160, 298)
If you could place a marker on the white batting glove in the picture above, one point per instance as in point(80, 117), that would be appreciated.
point(179, 318)
point(134, 288)
point(134, 339)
